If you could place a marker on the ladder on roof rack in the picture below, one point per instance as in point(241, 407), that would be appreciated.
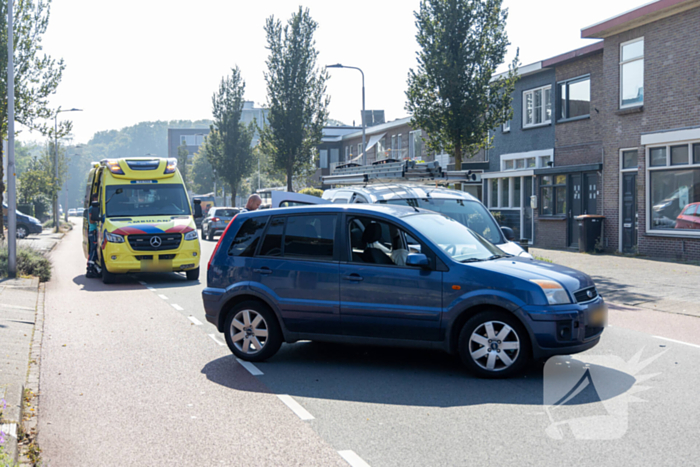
point(396, 172)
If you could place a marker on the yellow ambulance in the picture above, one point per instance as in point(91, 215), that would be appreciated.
point(142, 216)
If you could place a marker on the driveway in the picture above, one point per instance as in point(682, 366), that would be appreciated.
point(636, 282)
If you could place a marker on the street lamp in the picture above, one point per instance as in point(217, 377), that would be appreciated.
point(55, 165)
point(364, 144)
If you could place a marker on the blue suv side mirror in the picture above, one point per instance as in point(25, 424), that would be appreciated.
point(417, 259)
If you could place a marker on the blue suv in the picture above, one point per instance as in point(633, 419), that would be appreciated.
point(393, 275)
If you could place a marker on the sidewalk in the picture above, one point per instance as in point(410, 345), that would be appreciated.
point(46, 241)
point(19, 299)
point(636, 282)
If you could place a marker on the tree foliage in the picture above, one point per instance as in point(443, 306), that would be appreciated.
point(298, 107)
point(36, 75)
point(182, 154)
point(451, 94)
point(201, 179)
point(228, 144)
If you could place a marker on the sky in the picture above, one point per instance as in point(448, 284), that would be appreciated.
point(141, 60)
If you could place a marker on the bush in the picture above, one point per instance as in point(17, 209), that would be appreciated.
point(30, 262)
point(312, 192)
point(65, 226)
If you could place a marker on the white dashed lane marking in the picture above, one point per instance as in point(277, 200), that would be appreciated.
point(353, 459)
point(142, 283)
point(195, 320)
point(216, 339)
point(162, 296)
point(151, 289)
point(177, 307)
point(252, 369)
point(677, 342)
point(296, 407)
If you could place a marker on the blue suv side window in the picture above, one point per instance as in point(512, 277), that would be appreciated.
point(248, 237)
point(303, 237)
point(272, 245)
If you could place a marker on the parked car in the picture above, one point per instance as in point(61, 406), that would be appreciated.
point(689, 218)
point(459, 205)
point(216, 221)
point(26, 225)
point(393, 275)
point(72, 212)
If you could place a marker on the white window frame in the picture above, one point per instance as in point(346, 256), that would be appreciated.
point(398, 143)
point(538, 155)
point(544, 106)
point(623, 171)
point(636, 104)
point(647, 202)
point(347, 153)
point(393, 146)
point(506, 127)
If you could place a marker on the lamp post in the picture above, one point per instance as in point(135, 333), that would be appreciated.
point(364, 144)
point(55, 165)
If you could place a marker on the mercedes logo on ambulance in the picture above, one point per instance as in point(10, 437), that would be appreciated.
point(156, 242)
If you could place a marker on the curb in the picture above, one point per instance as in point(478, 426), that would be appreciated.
point(30, 403)
point(12, 416)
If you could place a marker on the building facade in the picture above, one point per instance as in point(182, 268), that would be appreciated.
point(651, 130)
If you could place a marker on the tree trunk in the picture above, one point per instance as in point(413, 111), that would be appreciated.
point(2, 191)
point(458, 162)
point(290, 173)
point(233, 189)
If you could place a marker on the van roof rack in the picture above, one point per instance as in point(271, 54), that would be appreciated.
point(393, 171)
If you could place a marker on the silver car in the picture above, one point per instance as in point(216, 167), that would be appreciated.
point(216, 221)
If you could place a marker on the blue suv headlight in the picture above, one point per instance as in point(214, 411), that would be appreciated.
point(556, 294)
point(191, 235)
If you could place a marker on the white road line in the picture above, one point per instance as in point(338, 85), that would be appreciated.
point(213, 336)
point(177, 307)
point(162, 296)
point(353, 459)
point(677, 342)
point(151, 289)
point(142, 283)
point(252, 369)
point(195, 320)
point(296, 408)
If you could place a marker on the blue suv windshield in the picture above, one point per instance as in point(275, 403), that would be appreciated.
point(454, 238)
point(471, 214)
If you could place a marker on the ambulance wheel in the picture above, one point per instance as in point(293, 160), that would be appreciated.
point(107, 277)
point(192, 274)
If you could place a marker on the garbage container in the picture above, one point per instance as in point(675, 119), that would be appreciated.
point(590, 228)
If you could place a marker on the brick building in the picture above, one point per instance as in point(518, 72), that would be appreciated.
point(651, 129)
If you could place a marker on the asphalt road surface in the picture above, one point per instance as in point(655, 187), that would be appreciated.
point(132, 374)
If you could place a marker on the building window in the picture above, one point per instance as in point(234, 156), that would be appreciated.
point(493, 193)
point(674, 188)
point(359, 149)
point(506, 127)
point(553, 194)
point(398, 146)
point(192, 140)
point(323, 156)
point(575, 98)
point(632, 73)
point(505, 192)
point(537, 107)
point(516, 192)
point(393, 147)
point(629, 159)
point(347, 152)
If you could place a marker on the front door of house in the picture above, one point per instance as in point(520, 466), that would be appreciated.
point(575, 208)
point(629, 212)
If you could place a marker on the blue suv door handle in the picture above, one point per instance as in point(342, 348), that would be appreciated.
point(263, 270)
point(353, 278)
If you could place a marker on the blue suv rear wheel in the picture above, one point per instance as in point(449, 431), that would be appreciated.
point(252, 331)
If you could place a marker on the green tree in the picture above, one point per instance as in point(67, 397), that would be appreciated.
point(228, 144)
point(298, 107)
point(451, 94)
point(202, 174)
point(36, 74)
point(182, 154)
point(33, 182)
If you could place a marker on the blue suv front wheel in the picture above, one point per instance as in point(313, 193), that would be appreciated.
point(493, 344)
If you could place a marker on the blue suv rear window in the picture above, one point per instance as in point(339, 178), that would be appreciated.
point(303, 237)
point(248, 236)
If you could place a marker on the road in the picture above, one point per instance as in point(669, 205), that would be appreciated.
point(130, 377)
